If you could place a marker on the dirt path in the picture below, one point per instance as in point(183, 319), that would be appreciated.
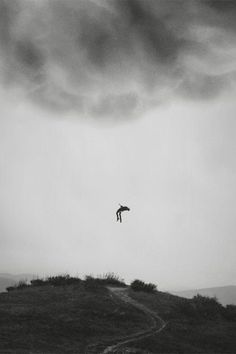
point(157, 322)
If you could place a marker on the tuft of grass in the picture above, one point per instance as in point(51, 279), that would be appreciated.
point(113, 279)
point(108, 279)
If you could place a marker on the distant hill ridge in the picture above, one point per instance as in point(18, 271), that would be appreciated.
point(226, 295)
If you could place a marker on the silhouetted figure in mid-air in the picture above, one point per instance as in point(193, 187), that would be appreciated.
point(119, 211)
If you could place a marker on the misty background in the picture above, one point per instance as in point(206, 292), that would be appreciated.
point(107, 102)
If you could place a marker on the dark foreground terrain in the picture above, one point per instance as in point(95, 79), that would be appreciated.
point(85, 316)
point(193, 326)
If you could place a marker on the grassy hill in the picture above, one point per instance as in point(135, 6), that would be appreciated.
point(201, 325)
point(66, 316)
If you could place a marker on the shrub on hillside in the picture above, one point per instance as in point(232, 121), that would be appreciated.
point(230, 312)
point(93, 284)
point(38, 282)
point(187, 308)
point(207, 307)
point(108, 279)
point(62, 280)
point(57, 280)
point(112, 279)
point(11, 288)
point(139, 285)
point(22, 284)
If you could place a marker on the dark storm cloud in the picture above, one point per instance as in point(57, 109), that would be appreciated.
point(222, 5)
point(157, 39)
point(224, 13)
point(112, 58)
point(204, 86)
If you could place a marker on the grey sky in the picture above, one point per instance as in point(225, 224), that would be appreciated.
point(119, 102)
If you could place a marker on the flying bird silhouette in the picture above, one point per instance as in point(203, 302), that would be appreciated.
point(120, 210)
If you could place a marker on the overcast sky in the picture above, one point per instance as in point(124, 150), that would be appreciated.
point(108, 102)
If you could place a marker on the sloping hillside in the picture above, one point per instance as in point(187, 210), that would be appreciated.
point(193, 326)
point(63, 319)
point(225, 294)
point(85, 316)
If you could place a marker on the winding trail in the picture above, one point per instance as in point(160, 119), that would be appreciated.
point(157, 323)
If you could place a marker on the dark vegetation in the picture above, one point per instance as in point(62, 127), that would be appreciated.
point(139, 285)
point(198, 325)
point(64, 314)
point(108, 279)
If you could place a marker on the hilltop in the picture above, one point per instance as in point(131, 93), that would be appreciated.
point(69, 315)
